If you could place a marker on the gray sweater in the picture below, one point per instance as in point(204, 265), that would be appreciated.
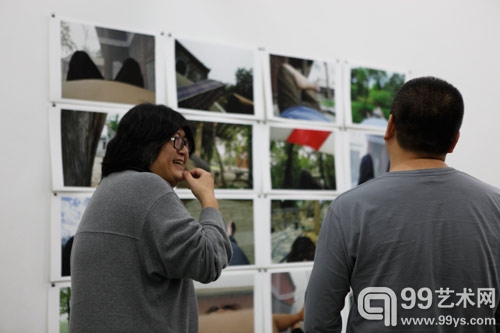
point(431, 230)
point(135, 254)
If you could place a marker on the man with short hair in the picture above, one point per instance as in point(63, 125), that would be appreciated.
point(418, 246)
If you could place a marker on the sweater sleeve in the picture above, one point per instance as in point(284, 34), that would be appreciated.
point(178, 246)
point(329, 283)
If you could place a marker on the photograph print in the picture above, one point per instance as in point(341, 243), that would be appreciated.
point(287, 296)
point(64, 308)
point(302, 159)
point(302, 89)
point(227, 305)
point(295, 226)
point(106, 65)
point(69, 209)
point(84, 136)
point(239, 217)
point(214, 77)
point(368, 156)
point(59, 295)
point(371, 94)
point(225, 150)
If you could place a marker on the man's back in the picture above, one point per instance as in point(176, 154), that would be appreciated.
point(431, 236)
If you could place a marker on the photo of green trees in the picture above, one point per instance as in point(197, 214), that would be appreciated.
point(372, 91)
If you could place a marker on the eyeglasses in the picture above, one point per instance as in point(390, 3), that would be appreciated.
point(179, 142)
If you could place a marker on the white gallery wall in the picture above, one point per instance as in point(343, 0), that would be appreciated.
point(454, 40)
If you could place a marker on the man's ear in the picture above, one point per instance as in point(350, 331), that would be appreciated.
point(390, 129)
point(454, 143)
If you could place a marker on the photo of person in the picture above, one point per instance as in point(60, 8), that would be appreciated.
point(368, 156)
point(372, 91)
point(303, 89)
point(239, 218)
point(106, 65)
point(295, 225)
point(214, 77)
point(287, 293)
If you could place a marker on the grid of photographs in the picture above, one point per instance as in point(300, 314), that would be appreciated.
point(282, 135)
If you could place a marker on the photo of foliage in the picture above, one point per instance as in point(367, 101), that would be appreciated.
point(84, 137)
point(64, 309)
point(295, 225)
point(214, 77)
point(225, 150)
point(302, 159)
point(368, 156)
point(303, 88)
point(107, 65)
point(372, 92)
point(239, 217)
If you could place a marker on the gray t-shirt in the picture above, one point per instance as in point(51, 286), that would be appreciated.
point(433, 231)
point(135, 255)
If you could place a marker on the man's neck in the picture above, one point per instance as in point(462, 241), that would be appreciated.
point(418, 164)
point(404, 161)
